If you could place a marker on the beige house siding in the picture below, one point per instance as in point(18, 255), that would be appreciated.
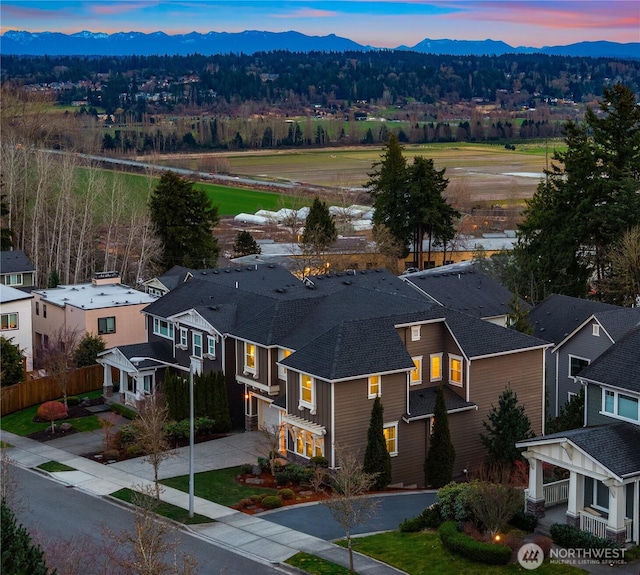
point(408, 466)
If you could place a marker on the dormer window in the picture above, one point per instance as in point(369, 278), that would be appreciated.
point(596, 329)
point(415, 333)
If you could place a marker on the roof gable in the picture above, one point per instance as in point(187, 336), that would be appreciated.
point(12, 261)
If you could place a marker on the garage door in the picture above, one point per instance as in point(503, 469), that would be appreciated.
point(268, 417)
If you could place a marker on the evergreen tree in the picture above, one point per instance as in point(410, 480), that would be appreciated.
point(376, 456)
point(88, 349)
point(184, 218)
point(6, 236)
point(438, 467)
point(319, 229)
point(586, 202)
point(221, 413)
point(390, 191)
point(20, 556)
point(54, 279)
point(570, 416)
point(518, 317)
point(507, 424)
point(11, 364)
point(245, 245)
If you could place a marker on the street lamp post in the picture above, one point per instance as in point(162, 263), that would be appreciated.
point(135, 361)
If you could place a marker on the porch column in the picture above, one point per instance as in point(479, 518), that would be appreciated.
point(617, 505)
point(107, 383)
point(575, 503)
point(535, 497)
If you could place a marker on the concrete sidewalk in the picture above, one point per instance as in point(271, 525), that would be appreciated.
point(245, 534)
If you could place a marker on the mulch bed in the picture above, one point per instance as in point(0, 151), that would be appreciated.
point(73, 412)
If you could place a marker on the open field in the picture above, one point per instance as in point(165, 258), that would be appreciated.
point(484, 172)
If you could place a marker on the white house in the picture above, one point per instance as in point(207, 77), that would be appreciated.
point(15, 320)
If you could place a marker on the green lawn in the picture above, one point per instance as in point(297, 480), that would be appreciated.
point(423, 554)
point(55, 466)
point(315, 565)
point(218, 486)
point(165, 509)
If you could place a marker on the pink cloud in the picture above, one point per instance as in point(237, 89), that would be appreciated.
point(120, 7)
point(307, 13)
point(12, 11)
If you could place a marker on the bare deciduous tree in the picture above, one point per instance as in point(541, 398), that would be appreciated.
point(348, 503)
point(57, 357)
point(494, 504)
point(272, 435)
point(151, 436)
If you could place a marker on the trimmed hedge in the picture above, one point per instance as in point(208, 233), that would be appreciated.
point(469, 548)
point(525, 521)
point(571, 537)
point(271, 502)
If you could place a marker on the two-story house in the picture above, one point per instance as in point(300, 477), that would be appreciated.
point(104, 307)
point(602, 458)
point(15, 321)
point(16, 270)
point(309, 358)
point(553, 320)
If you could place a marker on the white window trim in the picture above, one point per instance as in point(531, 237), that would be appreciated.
point(379, 393)
point(616, 395)
point(595, 329)
point(252, 370)
point(19, 279)
point(415, 333)
point(282, 370)
point(393, 424)
point(210, 339)
point(570, 356)
point(9, 314)
point(460, 359)
point(194, 335)
point(318, 442)
point(184, 338)
point(156, 328)
point(420, 370)
point(302, 404)
point(431, 378)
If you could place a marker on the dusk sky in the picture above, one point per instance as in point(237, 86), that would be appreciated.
point(368, 22)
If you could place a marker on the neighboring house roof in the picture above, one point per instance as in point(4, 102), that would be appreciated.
point(557, 316)
point(422, 403)
point(173, 277)
point(90, 296)
point(465, 288)
point(615, 323)
point(618, 366)
point(14, 261)
point(613, 445)
point(9, 294)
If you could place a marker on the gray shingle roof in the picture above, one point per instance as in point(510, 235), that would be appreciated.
point(614, 445)
point(464, 288)
point(619, 365)
point(13, 261)
point(157, 349)
point(618, 322)
point(558, 315)
point(422, 402)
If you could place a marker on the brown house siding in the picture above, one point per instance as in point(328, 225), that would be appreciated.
point(489, 377)
point(408, 466)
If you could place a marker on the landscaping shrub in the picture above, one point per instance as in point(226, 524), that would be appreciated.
point(319, 461)
point(454, 501)
point(271, 502)
point(265, 466)
point(571, 537)
point(432, 516)
point(545, 543)
point(244, 503)
point(411, 525)
point(177, 430)
point(52, 411)
point(286, 494)
point(632, 553)
point(246, 469)
point(111, 454)
point(126, 435)
point(525, 521)
point(257, 498)
point(204, 426)
point(469, 548)
point(73, 400)
point(134, 450)
point(283, 477)
point(123, 411)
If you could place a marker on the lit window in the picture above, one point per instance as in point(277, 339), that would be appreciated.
point(197, 344)
point(416, 372)
point(576, 365)
point(250, 357)
point(415, 333)
point(211, 346)
point(307, 444)
point(106, 325)
point(282, 370)
point(455, 370)
point(306, 391)
point(9, 321)
point(183, 337)
point(374, 387)
point(162, 328)
point(390, 431)
point(436, 367)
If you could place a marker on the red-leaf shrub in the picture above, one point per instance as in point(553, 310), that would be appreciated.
point(52, 411)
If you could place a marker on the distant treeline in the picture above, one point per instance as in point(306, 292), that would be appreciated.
point(334, 81)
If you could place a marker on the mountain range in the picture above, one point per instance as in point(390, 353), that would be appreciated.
point(158, 43)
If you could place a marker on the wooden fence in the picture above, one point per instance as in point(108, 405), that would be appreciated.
point(37, 391)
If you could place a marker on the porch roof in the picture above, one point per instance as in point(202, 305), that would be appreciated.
point(422, 403)
point(613, 445)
